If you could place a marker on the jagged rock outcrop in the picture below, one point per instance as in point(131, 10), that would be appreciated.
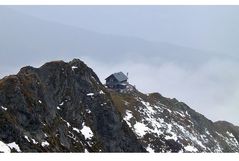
point(63, 107)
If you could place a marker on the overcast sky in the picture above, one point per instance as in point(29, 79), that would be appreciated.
point(186, 52)
point(203, 27)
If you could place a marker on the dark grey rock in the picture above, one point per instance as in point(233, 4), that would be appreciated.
point(40, 102)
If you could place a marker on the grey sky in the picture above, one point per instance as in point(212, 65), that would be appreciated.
point(186, 52)
point(203, 27)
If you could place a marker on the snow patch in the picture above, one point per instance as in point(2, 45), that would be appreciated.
point(95, 80)
point(173, 135)
point(102, 104)
point(62, 103)
point(40, 101)
point(13, 145)
point(208, 133)
point(126, 103)
point(219, 134)
point(72, 136)
point(4, 148)
point(74, 67)
point(90, 94)
point(67, 123)
point(128, 115)
point(75, 129)
point(26, 137)
point(58, 108)
point(187, 113)
point(168, 110)
point(45, 143)
point(179, 113)
point(230, 134)
point(149, 149)
point(218, 148)
point(193, 136)
point(43, 123)
point(86, 131)
point(147, 105)
point(140, 129)
point(190, 148)
point(231, 141)
point(4, 108)
point(34, 141)
point(88, 111)
point(101, 92)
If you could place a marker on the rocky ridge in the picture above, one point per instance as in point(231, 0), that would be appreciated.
point(63, 107)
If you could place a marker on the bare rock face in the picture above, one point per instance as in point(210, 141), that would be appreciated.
point(61, 107)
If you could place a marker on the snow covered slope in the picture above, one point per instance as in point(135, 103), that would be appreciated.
point(167, 125)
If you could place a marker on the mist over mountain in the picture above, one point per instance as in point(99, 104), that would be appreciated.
point(49, 39)
point(203, 79)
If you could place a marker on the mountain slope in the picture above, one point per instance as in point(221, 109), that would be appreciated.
point(63, 107)
point(167, 125)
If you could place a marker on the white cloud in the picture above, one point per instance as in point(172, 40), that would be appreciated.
point(211, 89)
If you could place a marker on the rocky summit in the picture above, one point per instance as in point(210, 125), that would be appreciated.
point(63, 107)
